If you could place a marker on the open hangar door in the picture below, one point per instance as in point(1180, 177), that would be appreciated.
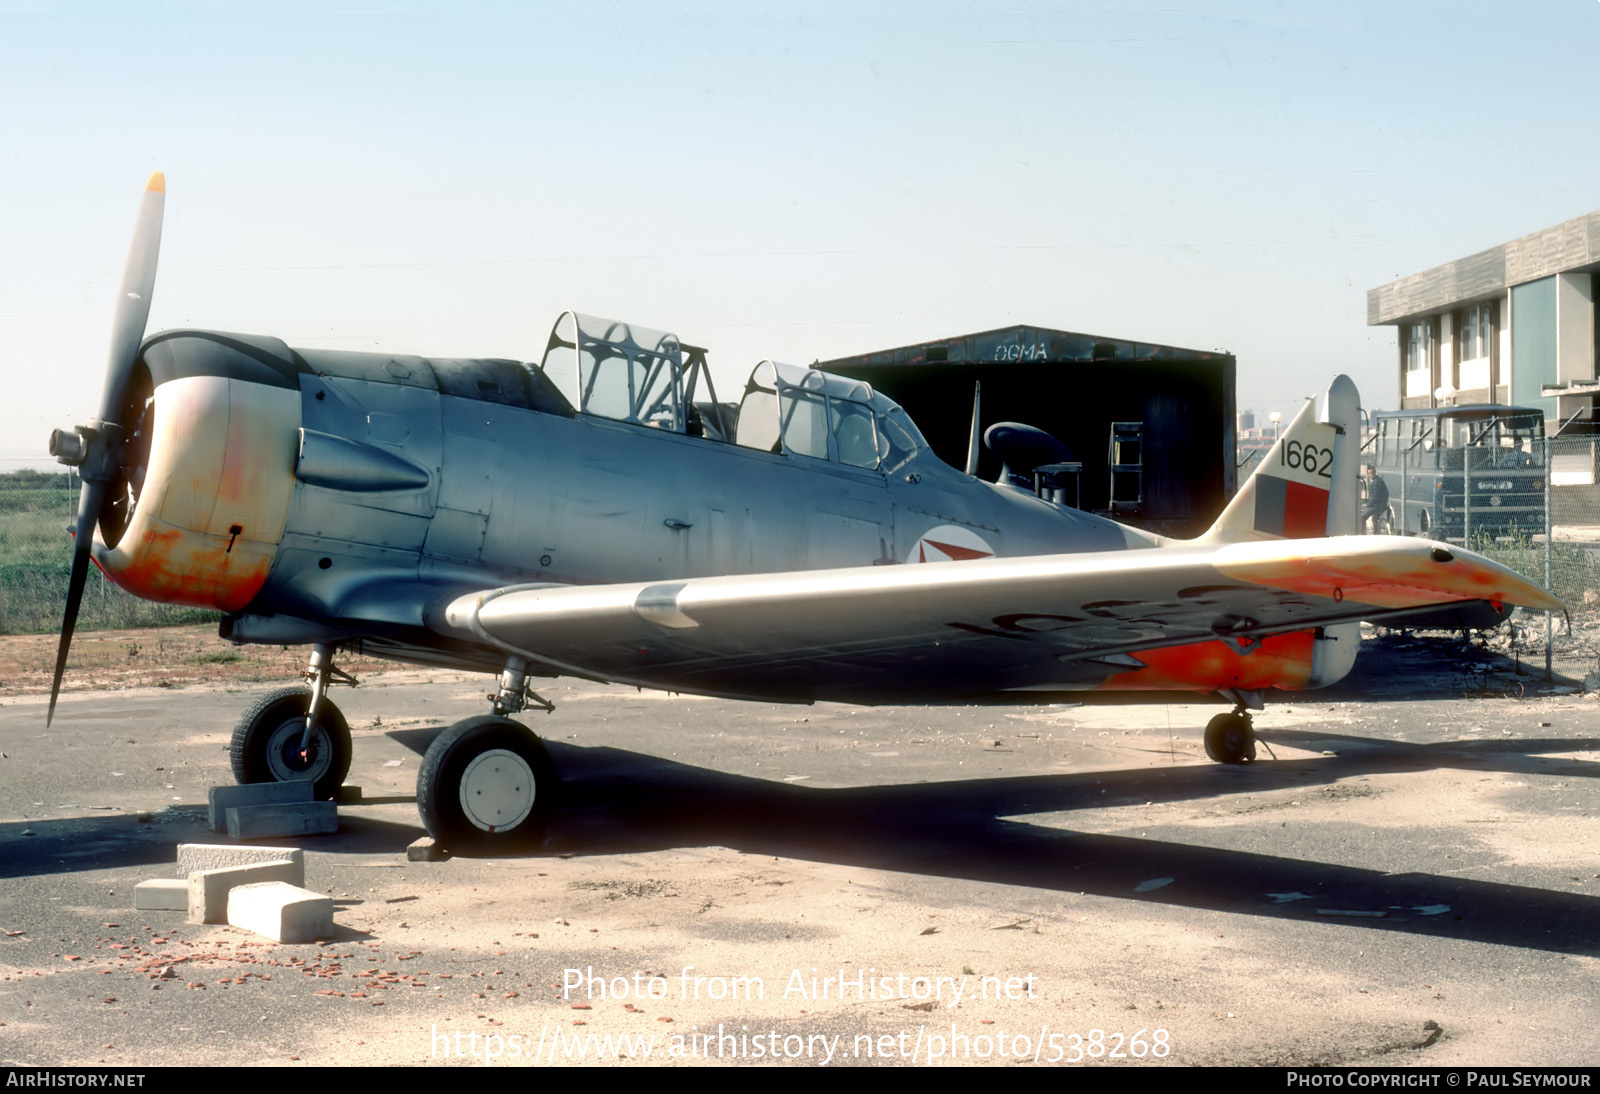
point(1165, 414)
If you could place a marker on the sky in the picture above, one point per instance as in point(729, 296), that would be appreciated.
point(796, 181)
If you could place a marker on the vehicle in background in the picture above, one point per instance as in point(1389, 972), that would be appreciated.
point(1461, 472)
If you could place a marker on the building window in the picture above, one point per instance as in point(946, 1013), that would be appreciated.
point(1534, 348)
point(1418, 347)
point(1419, 354)
point(1477, 332)
point(1475, 338)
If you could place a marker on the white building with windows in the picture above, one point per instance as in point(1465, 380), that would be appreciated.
point(1514, 324)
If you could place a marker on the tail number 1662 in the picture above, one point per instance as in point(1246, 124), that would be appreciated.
point(1308, 458)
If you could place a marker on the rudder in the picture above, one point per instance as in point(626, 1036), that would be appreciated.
point(1305, 488)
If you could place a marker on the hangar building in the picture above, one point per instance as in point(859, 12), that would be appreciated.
point(1152, 425)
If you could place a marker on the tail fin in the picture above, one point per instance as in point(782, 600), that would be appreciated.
point(1306, 487)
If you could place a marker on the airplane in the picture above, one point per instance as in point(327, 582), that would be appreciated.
point(600, 515)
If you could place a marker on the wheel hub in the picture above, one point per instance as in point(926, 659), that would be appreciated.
point(288, 763)
point(497, 790)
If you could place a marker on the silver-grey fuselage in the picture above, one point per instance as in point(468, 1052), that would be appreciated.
point(521, 496)
point(405, 482)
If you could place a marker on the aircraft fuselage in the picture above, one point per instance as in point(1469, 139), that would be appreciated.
point(325, 495)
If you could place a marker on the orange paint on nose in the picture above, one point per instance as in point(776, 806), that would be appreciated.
point(173, 566)
point(216, 494)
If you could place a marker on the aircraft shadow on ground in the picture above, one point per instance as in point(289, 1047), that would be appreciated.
point(616, 801)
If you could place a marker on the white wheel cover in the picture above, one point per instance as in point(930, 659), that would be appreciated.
point(497, 790)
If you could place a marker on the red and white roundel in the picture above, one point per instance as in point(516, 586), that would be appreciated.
point(949, 543)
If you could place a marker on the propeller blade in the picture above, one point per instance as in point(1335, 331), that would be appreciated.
point(103, 438)
point(133, 296)
point(88, 505)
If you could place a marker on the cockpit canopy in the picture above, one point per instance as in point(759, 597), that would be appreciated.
point(628, 373)
point(803, 412)
point(617, 370)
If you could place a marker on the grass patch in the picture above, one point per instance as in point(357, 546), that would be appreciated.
point(219, 657)
point(1574, 568)
point(37, 509)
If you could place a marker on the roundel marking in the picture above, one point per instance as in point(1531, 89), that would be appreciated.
point(949, 543)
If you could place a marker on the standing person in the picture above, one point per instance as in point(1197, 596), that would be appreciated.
point(1377, 501)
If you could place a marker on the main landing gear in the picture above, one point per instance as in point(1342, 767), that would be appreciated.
point(486, 784)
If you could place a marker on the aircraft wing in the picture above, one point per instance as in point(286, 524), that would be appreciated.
point(1196, 617)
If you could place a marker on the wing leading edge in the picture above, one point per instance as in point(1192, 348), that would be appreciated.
point(1197, 617)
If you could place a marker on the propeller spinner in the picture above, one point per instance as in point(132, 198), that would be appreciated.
point(98, 448)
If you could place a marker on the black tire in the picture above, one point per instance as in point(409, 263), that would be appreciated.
point(486, 786)
point(1230, 739)
point(1424, 524)
point(266, 743)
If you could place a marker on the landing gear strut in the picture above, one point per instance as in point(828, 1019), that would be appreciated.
point(319, 674)
point(514, 694)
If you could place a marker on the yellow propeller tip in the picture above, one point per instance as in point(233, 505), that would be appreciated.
point(158, 183)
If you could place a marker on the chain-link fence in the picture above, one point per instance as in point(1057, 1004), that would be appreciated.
point(1574, 541)
point(37, 509)
point(1563, 554)
point(1535, 509)
point(1496, 485)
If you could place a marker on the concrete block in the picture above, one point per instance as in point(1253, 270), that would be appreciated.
point(216, 856)
point(284, 913)
point(221, 798)
point(161, 895)
point(277, 821)
point(208, 889)
point(426, 849)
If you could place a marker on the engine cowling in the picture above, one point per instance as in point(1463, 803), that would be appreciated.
point(205, 523)
point(204, 477)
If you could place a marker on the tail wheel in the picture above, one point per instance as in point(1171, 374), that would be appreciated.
point(1230, 739)
point(266, 743)
point(486, 786)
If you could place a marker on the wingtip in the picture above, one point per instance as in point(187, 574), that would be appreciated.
point(158, 183)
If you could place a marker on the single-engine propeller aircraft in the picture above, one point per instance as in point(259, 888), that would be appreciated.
point(589, 516)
